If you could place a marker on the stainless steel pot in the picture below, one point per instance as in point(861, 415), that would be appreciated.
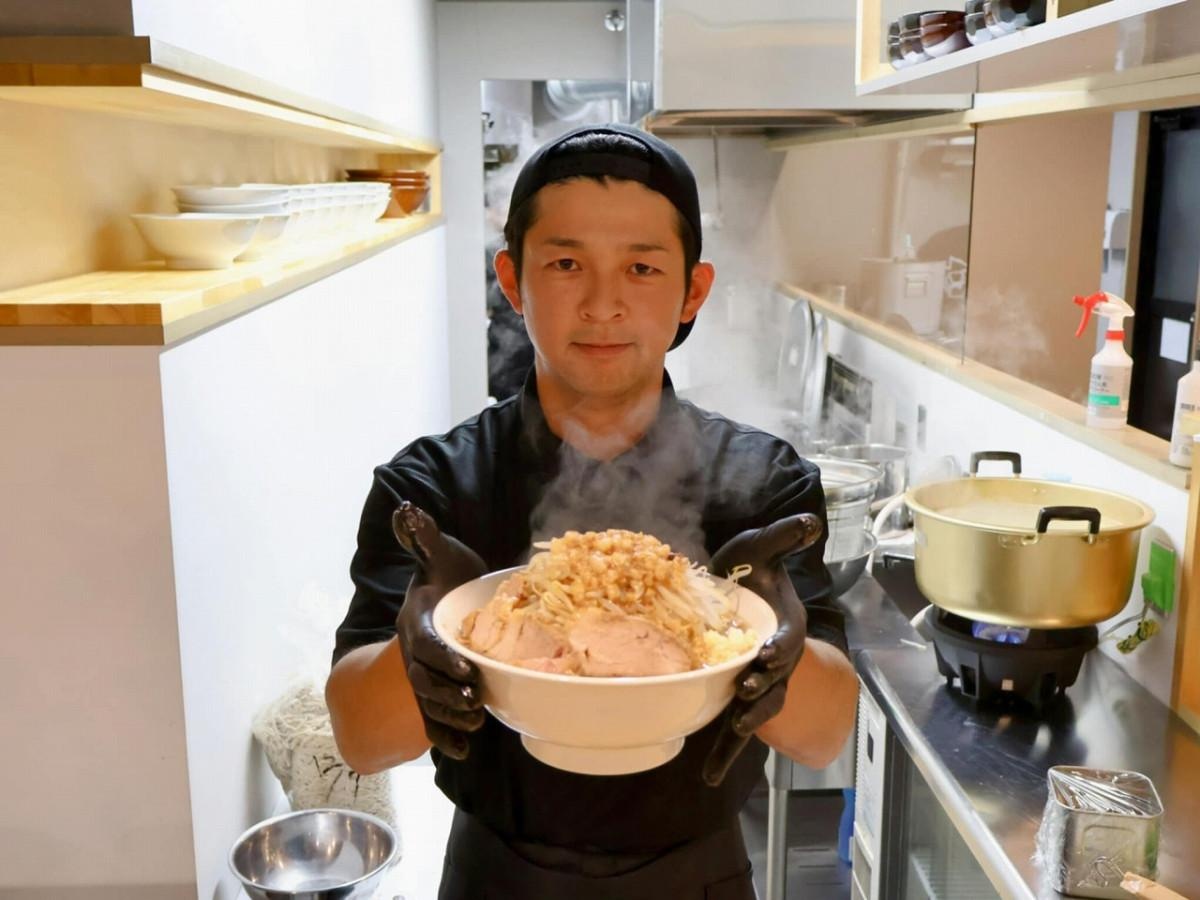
point(891, 461)
point(1016, 551)
point(849, 489)
point(846, 570)
point(845, 481)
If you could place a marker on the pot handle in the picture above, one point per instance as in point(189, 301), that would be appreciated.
point(1088, 514)
point(996, 456)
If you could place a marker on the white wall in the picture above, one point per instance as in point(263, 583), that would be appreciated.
point(478, 41)
point(273, 424)
point(370, 57)
point(172, 521)
point(94, 755)
point(961, 421)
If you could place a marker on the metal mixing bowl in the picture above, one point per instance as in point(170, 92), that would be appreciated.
point(314, 854)
point(848, 569)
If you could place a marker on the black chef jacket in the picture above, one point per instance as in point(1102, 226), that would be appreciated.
point(502, 479)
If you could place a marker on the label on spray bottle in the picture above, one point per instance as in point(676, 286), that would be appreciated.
point(1187, 425)
point(1108, 392)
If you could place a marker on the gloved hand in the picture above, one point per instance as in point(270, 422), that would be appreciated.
point(446, 684)
point(762, 685)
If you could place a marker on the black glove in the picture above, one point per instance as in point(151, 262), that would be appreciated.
point(446, 684)
point(762, 685)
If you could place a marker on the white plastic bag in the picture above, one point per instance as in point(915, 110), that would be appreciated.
point(297, 737)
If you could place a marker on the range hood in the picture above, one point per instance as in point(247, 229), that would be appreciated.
point(757, 66)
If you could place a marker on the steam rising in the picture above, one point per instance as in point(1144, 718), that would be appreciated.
point(656, 487)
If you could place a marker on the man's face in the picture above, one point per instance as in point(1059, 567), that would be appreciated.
point(602, 286)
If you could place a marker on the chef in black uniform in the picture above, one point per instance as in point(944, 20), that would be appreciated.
point(602, 262)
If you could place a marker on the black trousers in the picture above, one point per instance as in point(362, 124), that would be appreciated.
point(482, 866)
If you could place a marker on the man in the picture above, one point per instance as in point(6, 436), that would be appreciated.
point(602, 261)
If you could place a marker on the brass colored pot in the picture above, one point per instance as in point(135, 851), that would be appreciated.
point(1016, 551)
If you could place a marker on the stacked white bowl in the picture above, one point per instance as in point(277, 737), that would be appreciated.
point(217, 224)
point(337, 205)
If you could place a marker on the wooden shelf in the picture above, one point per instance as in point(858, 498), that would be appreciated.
point(1135, 448)
point(1118, 42)
point(145, 78)
point(154, 305)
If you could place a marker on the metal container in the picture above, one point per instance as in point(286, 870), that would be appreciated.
point(910, 291)
point(1016, 551)
point(1098, 824)
point(845, 481)
point(848, 569)
point(849, 490)
point(315, 854)
point(891, 461)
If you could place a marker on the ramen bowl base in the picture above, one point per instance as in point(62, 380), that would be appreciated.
point(605, 761)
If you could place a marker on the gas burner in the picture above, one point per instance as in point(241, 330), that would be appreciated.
point(988, 671)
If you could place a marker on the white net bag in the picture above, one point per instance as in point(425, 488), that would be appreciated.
point(296, 734)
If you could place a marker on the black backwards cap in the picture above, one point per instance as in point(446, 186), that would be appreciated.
point(664, 171)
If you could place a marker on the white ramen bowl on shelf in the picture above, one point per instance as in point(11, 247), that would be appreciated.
point(594, 725)
point(220, 195)
point(269, 236)
point(197, 240)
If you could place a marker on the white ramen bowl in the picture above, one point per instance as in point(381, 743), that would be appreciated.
point(600, 726)
point(197, 240)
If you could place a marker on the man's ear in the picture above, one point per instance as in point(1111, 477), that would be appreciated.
point(506, 277)
point(703, 275)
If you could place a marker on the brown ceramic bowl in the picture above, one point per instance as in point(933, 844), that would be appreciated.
point(372, 174)
point(938, 40)
point(912, 21)
point(406, 199)
point(944, 17)
point(394, 180)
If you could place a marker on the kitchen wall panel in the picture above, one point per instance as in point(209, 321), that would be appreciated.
point(852, 211)
point(1037, 230)
point(832, 203)
point(95, 758)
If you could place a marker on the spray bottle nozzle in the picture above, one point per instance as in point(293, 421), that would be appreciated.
point(1088, 304)
point(1110, 306)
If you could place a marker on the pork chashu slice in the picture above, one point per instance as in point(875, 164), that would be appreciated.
point(599, 643)
point(518, 639)
point(613, 644)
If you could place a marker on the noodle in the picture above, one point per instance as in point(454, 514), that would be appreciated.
point(624, 574)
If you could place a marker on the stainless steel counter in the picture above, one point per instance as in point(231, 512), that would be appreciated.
point(988, 768)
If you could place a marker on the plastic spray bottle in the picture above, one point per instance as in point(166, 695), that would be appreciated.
point(1108, 387)
point(1187, 415)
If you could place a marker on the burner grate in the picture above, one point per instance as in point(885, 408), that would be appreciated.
point(989, 672)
